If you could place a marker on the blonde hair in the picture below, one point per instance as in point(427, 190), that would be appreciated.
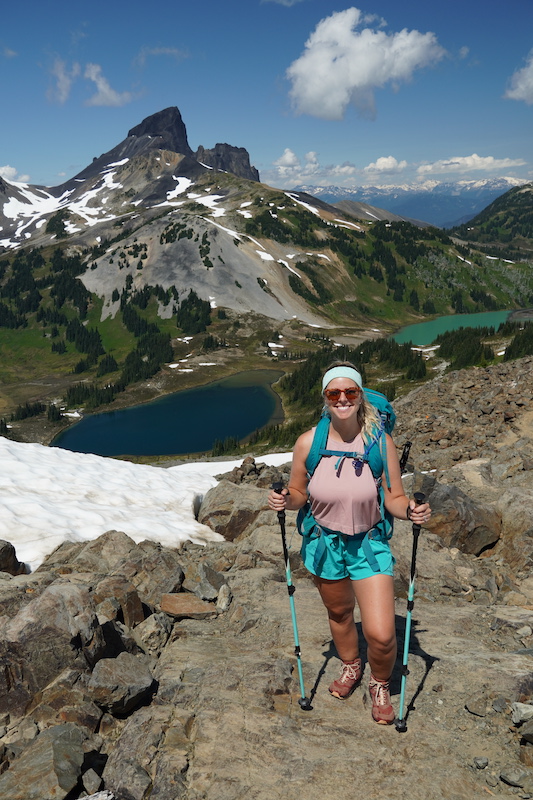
point(367, 415)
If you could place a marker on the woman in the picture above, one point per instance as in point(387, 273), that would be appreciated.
point(344, 503)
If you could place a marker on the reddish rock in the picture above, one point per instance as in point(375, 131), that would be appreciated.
point(183, 605)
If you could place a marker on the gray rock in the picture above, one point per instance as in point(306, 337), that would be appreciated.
point(92, 782)
point(224, 599)
point(49, 767)
point(149, 758)
point(65, 700)
point(481, 762)
point(233, 510)
point(20, 590)
point(8, 559)
point(458, 520)
point(204, 581)
point(478, 705)
point(153, 633)
point(121, 684)
point(99, 555)
point(153, 570)
point(526, 731)
point(521, 712)
point(58, 629)
point(117, 588)
point(514, 776)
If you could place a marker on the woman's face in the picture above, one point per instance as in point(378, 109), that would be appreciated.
point(340, 406)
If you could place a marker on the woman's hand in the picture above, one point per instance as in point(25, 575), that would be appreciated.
point(278, 502)
point(419, 514)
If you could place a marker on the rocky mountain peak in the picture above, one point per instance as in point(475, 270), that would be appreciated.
point(165, 130)
point(227, 158)
point(168, 127)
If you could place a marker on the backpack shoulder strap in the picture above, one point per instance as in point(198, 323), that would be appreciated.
point(319, 442)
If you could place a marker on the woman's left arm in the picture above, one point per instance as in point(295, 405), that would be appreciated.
point(396, 501)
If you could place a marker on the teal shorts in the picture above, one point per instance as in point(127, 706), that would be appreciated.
point(343, 556)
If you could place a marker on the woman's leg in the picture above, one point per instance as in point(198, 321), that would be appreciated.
point(375, 598)
point(339, 599)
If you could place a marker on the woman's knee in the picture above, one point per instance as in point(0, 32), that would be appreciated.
point(382, 641)
point(338, 598)
point(341, 613)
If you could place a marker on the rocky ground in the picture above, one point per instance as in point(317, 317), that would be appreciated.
point(135, 671)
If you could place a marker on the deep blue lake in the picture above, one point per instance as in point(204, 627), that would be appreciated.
point(183, 422)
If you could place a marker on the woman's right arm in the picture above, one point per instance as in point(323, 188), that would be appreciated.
point(295, 496)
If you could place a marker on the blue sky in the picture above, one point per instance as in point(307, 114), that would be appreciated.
point(319, 92)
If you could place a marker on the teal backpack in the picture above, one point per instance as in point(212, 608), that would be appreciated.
point(374, 454)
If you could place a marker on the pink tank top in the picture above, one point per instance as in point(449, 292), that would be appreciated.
point(341, 500)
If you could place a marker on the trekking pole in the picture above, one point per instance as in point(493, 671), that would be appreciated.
point(303, 702)
point(405, 455)
point(401, 724)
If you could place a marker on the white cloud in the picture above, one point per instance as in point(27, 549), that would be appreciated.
point(341, 65)
point(146, 52)
point(8, 53)
point(521, 83)
point(343, 170)
point(387, 164)
point(468, 164)
point(11, 174)
point(463, 52)
point(288, 159)
point(289, 166)
point(105, 95)
point(64, 78)
point(290, 171)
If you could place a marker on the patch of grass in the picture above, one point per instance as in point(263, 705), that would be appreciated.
point(26, 354)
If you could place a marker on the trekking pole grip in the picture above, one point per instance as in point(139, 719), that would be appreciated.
point(420, 498)
point(277, 487)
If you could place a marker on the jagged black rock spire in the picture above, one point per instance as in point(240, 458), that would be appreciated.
point(168, 127)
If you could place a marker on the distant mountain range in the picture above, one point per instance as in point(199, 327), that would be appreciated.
point(442, 204)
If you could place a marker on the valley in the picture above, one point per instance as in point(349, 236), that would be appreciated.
point(156, 269)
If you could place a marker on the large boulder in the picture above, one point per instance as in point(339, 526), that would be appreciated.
point(150, 757)
point(50, 767)
point(56, 630)
point(100, 555)
point(121, 684)
point(8, 559)
point(233, 511)
point(460, 521)
point(153, 570)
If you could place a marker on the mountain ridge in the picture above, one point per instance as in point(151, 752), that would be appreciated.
point(144, 251)
point(443, 204)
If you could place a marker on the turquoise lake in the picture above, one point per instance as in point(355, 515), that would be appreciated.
point(426, 332)
point(182, 422)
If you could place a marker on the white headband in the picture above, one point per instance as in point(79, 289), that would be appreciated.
point(342, 372)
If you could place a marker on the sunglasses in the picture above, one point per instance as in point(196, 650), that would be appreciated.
point(352, 393)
